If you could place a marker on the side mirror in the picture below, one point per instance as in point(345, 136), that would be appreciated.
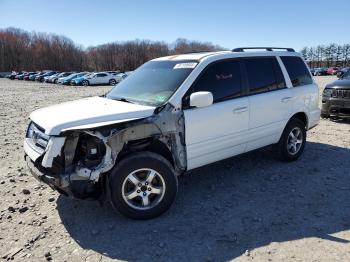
point(201, 99)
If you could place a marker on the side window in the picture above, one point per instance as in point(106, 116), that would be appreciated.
point(101, 75)
point(297, 70)
point(264, 74)
point(222, 79)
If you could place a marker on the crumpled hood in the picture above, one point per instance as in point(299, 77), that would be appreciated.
point(87, 113)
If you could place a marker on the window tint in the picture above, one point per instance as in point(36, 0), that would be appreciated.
point(222, 79)
point(297, 70)
point(101, 75)
point(264, 74)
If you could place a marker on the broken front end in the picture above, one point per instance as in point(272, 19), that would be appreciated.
point(77, 162)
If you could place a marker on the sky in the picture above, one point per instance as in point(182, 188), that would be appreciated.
point(294, 23)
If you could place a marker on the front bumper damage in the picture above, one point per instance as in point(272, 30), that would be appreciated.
point(60, 165)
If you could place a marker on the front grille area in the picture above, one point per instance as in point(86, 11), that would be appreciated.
point(341, 93)
point(37, 137)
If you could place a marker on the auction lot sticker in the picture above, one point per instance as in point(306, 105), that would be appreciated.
point(185, 65)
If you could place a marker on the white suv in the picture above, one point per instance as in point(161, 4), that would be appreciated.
point(172, 115)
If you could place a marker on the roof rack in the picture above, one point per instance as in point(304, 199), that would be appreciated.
point(241, 49)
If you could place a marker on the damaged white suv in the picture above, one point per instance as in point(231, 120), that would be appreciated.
point(172, 115)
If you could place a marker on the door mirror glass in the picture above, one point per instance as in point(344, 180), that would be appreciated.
point(201, 99)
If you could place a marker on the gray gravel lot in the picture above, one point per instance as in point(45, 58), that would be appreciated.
point(248, 208)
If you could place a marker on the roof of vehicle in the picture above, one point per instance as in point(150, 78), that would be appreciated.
point(202, 55)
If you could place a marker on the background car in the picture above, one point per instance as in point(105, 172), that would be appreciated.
point(47, 79)
point(20, 76)
point(13, 75)
point(67, 80)
point(40, 78)
point(121, 76)
point(55, 78)
point(99, 78)
point(26, 77)
point(321, 71)
point(342, 71)
point(336, 97)
point(332, 70)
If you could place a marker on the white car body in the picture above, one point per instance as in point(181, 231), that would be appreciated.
point(100, 78)
point(210, 131)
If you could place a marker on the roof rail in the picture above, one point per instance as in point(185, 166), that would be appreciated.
point(241, 49)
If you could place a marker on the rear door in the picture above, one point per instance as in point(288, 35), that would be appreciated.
point(219, 130)
point(101, 78)
point(269, 101)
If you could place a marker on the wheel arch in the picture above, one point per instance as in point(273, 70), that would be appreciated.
point(150, 144)
point(302, 116)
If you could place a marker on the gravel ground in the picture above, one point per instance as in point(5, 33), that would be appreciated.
point(248, 208)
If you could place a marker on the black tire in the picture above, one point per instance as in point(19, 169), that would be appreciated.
point(55, 81)
point(324, 115)
point(135, 162)
point(85, 83)
point(112, 82)
point(283, 152)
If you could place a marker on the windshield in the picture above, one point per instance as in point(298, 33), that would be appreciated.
point(153, 83)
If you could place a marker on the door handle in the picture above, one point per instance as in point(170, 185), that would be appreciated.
point(286, 99)
point(239, 110)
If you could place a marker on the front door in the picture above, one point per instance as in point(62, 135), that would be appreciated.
point(218, 131)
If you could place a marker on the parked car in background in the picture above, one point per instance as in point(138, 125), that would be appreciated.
point(39, 75)
point(332, 70)
point(321, 71)
point(121, 76)
point(13, 75)
point(55, 78)
point(99, 78)
point(67, 80)
point(41, 78)
point(343, 71)
point(26, 77)
point(20, 76)
point(336, 98)
point(47, 79)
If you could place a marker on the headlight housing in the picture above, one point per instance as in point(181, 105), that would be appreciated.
point(327, 92)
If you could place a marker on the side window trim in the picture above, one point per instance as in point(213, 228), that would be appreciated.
point(284, 72)
point(244, 86)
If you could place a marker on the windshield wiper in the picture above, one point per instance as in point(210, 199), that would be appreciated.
point(123, 99)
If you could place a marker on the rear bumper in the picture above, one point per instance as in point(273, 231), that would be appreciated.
point(336, 107)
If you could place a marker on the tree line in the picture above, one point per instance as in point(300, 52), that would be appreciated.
point(332, 55)
point(31, 51)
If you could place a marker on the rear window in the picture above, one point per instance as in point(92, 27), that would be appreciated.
point(297, 70)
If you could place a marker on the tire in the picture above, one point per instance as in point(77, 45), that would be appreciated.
point(55, 81)
point(85, 83)
point(141, 165)
point(324, 115)
point(112, 82)
point(287, 144)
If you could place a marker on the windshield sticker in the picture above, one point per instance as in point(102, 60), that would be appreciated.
point(185, 65)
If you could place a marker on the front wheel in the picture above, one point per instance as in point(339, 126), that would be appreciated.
point(292, 142)
point(143, 185)
point(85, 83)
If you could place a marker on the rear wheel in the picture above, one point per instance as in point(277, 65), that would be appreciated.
point(85, 83)
point(143, 185)
point(292, 141)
